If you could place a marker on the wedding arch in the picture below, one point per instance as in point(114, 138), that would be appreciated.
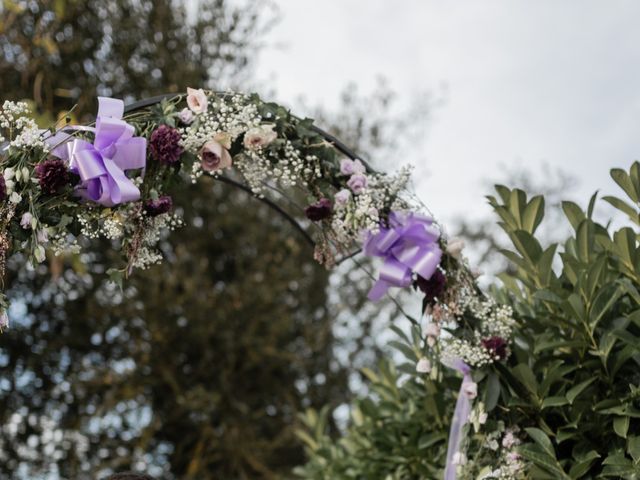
point(113, 179)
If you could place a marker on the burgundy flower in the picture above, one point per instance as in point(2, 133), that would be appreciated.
point(53, 175)
point(165, 145)
point(319, 211)
point(496, 345)
point(432, 288)
point(163, 204)
point(3, 188)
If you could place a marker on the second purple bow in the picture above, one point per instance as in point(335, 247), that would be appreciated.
point(409, 244)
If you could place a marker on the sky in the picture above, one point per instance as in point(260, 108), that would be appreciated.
point(524, 83)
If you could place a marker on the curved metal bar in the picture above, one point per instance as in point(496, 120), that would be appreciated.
point(271, 204)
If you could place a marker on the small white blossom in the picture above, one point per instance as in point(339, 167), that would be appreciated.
point(423, 365)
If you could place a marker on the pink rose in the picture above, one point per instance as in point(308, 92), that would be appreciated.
point(197, 100)
point(214, 157)
point(258, 137)
point(351, 167)
point(358, 183)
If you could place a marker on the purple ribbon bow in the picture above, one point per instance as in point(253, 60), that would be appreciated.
point(460, 417)
point(103, 163)
point(410, 244)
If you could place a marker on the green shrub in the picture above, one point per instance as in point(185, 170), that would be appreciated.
point(568, 396)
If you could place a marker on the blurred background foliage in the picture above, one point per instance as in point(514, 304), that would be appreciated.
point(199, 368)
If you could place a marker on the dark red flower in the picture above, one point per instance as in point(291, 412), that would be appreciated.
point(163, 204)
point(53, 175)
point(433, 287)
point(3, 188)
point(165, 145)
point(319, 211)
point(497, 346)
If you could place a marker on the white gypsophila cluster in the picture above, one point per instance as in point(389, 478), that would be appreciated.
point(232, 115)
point(388, 189)
point(495, 320)
point(359, 214)
point(147, 254)
point(23, 131)
point(470, 353)
point(196, 172)
point(259, 168)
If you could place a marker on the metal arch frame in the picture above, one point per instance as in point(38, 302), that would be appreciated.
point(337, 144)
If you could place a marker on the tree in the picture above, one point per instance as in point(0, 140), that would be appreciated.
point(196, 369)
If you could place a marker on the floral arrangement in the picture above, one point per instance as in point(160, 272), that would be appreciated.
point(114, 180)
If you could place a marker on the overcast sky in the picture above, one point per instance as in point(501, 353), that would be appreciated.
point(527, 82)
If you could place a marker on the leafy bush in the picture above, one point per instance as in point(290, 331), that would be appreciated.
point(564, 405)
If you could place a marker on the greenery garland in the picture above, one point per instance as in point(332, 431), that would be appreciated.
point(114, 180)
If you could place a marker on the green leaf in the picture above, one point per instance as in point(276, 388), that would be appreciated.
point(492, 393)
point(429, 439)
point(542, 439)
point(405, 349)
point(543, 460)
point(624, 181)
point(621, 426)
point(525, 375)
point(533, 214)
point(574, 213)
point(624, 207)
point(554, 402)
point(633, 447)
point(578, 389)
point(526, 245)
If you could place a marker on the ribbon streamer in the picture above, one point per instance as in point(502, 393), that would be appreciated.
point(460, 417)
point(410, 244)
point(102, 164)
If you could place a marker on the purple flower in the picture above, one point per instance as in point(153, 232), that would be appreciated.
point(497, 346)
point(163, 204)
point(3, 188)
point(433, 287)
point(319, 211)
point(357, 183)
point(351, 167)
point(165, 145)
point(186, 116)
point(53, 175)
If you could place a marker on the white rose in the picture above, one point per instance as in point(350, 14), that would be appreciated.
point(9, 173)
point(15, 198)
point(197, 100)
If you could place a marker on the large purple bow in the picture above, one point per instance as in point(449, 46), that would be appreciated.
point(460, 417)
point(103, 163)
point(410, 244)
